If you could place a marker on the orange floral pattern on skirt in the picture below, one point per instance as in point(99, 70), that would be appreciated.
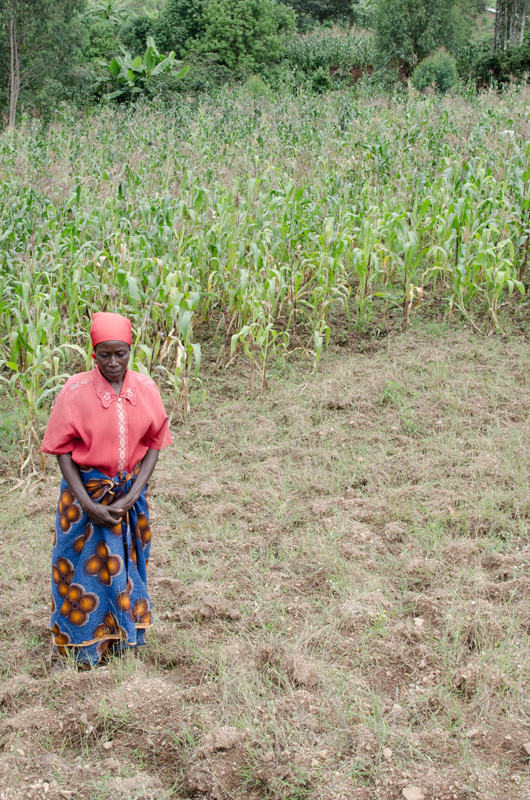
point(99, 575)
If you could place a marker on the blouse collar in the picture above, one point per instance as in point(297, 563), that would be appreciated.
point(106, 393)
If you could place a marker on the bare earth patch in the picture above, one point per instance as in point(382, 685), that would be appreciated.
point(342, 594)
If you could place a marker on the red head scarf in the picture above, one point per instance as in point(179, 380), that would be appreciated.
point(110, 328)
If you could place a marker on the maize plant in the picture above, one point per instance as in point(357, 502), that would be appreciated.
point(258, 219)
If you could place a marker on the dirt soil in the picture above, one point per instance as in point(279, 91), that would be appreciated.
point(341, 586)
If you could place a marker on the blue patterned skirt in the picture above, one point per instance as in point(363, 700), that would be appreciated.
point(99, 575)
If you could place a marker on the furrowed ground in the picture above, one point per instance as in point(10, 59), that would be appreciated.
point(340, 578)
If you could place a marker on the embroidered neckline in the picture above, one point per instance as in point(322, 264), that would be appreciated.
point(107, 395)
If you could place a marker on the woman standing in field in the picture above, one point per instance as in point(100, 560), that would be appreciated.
point(106, 429)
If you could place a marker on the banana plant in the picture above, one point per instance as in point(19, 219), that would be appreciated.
point(114, 11)
point(133, 75)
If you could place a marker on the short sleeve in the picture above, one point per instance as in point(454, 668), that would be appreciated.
point(162, 438)
point(158, 435)
point(61, 433)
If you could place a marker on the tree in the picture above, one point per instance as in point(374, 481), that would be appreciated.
point(179, 22)
point(407, 31)
point(100, 40)
point(323, 10)
point(101, 21)
point(37, 39)
point(135, 32)
point(244, 33)
point(510, 23)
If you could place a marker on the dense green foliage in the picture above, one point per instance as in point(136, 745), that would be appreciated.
point(135, 31)
point(180, 22)
point(407, 31)
point(323, 10)
point(243, 33)
point(133, 76)
point(208, 216)
point(100, 40)
point(48, 35)
point(321, 82)
point(503, 65)
point(62, 44)
point(438, 71)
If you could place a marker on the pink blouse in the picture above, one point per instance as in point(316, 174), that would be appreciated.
point(102, 430)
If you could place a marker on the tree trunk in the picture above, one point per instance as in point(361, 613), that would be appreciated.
point(500, 31)
point(496, 25)
point(510, 23)
point(14, 73)
point(513, 21)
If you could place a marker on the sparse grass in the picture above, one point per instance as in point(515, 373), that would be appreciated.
point(329, 586)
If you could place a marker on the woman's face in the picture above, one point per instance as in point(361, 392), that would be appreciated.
point(112, 359)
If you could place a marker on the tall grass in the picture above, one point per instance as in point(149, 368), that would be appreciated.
point(257, 217)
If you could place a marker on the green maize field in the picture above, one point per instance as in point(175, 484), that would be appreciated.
point(340, 564)
point(259, 218)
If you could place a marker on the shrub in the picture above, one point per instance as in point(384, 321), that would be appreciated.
point(77, 86)
point(502, 66)
point(468, 56)
point(281, 77)
point(205, 75)
point(321, 82)
point(244, 33)
point(257, 87)
point(439, 71)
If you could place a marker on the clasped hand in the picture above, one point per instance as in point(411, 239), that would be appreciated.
point(110, 516)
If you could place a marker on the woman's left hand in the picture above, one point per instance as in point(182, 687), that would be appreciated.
point(125, 503)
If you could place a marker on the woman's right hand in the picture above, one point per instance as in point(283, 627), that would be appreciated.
point(104, 516)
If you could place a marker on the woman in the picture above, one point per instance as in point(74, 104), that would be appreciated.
point(106, 429)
